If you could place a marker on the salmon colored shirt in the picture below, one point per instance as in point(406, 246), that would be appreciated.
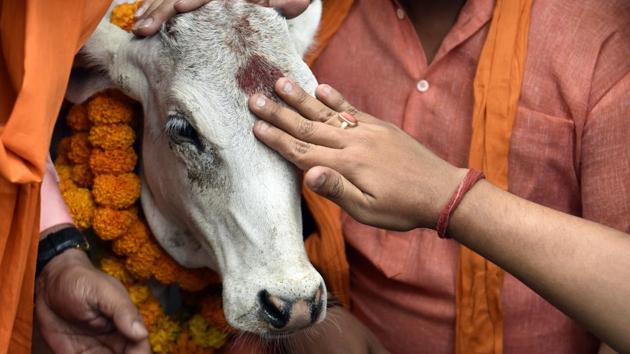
point(570, 150)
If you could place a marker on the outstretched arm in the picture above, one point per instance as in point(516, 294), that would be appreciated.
point(383, 177)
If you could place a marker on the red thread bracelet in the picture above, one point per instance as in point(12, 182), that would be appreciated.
point(472, 177)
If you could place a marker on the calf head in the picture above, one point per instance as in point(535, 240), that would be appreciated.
point(213, 195)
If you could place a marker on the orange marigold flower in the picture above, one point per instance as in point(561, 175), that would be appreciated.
point(138, 293)
point(82, 175)
point(113, 162)
point(123, 15)
point(110, 107)
point(115, 268)
point(131, 242)
point(79, 148)
point(109, 224)
point(195, 279)
point(151, 311)
point(81, 206)
point(64, 171)
point(114, 136)
point(66, 185)
point(63, 148)
point(118, 192)
point(77, 119)
point(166, 269)
point(212, 312)
point(141, 264)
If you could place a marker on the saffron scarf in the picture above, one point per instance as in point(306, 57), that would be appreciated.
point(38, 40)
point(497, 85)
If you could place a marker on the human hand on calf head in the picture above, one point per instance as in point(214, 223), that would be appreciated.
point(153, 13)
point(375, 171)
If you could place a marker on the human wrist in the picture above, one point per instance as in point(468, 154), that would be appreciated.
point(56, 245)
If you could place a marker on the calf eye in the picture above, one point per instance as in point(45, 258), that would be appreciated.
point(180, 131)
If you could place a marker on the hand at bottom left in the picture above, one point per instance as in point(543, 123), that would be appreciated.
point(82, 310)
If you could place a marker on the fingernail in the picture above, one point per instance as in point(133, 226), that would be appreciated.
point(287, 87)
point(141, 10)
point(319, 181)
point(143, 23)
point(261, 102)
point(325, 91)
point(139, 329)
point(262, 125)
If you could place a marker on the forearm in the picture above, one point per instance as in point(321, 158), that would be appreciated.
point(579, 266)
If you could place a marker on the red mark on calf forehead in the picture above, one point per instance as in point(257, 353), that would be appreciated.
point(258, 76)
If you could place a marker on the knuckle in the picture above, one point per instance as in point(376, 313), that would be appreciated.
point(325, 114)
point(301, 148)
point(336, 188)
point(301, 96)
point(306, 128)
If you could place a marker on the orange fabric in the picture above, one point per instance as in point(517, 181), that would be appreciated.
point(497, 88)
point(326, 247)
point(38, 41)
point(333, 15)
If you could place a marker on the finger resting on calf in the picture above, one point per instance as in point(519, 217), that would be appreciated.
point(295, 124)
point(310, 107)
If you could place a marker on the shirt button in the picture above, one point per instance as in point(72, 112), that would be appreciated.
point(423, 86)
point(400, 13)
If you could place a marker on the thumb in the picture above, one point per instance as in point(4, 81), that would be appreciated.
point(332, 185)
point(114, 303)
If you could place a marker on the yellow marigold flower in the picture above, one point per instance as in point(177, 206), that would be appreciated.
point(212, 312)
point(186, 344)
point(118, 192)
point(77, 119)
point(110, 107)
point(123, 15)
point(205, 335)
point(81, 206)
point(139, 294)
point(82, 175)
point(64, 172)
point(79, 148)
point(141, 264)
point(113, 162)
point(166, 269)
point(115, 268)
point(131, 242)
point(63, 148)
point(151, 311)
point(113, 136)
point(109, 224)
point(163, 336)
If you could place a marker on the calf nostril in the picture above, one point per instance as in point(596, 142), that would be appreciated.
point(275, 311)
point(317, 304)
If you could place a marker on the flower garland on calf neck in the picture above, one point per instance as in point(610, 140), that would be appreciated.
point(96, 166)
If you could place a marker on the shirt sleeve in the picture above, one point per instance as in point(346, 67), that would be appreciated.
point(605, 151)
point(53, 210)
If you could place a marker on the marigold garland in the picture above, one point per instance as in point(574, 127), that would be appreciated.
point(113, 162)
point(96, 171)
point(112, 136)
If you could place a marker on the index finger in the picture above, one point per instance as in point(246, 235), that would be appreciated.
point(307, 105)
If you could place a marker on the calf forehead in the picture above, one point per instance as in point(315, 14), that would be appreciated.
point(233, 41)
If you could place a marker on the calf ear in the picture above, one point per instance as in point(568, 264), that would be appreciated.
point(102, 59)
point(304, 27)
point(86, 82)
